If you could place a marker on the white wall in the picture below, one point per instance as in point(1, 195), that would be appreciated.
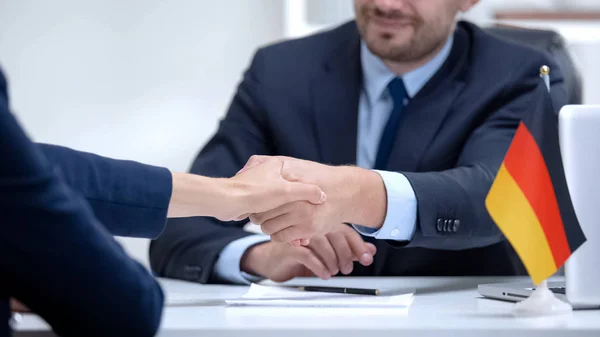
point(140, 79)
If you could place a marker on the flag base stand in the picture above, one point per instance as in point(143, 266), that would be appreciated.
point(542, 302)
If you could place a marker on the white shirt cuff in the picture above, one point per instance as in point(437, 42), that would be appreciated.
point(401, 216)
point(228, 265)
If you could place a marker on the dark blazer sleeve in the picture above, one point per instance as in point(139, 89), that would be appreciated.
point(56, 257)
point(129, 198)
point(459, 194)
point(189, 248)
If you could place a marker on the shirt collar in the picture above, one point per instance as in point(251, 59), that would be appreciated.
point(377, 75)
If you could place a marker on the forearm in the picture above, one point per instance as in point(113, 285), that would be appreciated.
point(401, 214)
point(364, 200)
point(451, 212)
point(195, 195)
point(451, 208)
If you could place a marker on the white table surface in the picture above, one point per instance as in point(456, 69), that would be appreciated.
point(450, 306)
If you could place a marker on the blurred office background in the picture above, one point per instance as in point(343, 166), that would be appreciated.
point(149, 80)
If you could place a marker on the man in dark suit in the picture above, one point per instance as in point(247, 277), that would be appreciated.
point(429, 103)
point(59, 208)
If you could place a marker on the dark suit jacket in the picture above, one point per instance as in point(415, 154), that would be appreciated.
point(300, 99)
point(57, 255)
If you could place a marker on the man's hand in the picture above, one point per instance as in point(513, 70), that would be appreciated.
point(354, 195)
point(325, 256)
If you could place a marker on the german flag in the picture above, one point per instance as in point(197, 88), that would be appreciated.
point(529, 199)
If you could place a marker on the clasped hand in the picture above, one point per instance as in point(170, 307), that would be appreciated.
point(298, 221)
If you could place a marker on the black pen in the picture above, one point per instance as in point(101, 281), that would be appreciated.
point(354, 291)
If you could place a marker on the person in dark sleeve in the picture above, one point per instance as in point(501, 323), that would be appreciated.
point(60, 207)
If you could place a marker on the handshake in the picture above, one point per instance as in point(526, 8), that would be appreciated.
point(295, 200)
point(305, 208)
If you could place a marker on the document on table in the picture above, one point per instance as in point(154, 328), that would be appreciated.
point(282, 296)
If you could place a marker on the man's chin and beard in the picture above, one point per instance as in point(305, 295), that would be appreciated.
point(399, 37)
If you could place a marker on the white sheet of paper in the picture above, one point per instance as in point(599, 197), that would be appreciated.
point(259, 295)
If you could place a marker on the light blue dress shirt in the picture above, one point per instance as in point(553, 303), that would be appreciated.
point(375, 106)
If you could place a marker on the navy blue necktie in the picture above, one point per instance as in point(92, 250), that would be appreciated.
point(388, 136)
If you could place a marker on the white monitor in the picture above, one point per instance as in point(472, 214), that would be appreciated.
point(579, 134)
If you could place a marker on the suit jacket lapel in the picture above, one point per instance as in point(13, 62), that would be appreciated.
point(426, 112)
point(335, 93)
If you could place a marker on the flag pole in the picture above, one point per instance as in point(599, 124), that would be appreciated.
point(545, 75)
point(542, 300)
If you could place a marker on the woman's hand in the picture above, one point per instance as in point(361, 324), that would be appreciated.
point(258, 189)
point(262, 188)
